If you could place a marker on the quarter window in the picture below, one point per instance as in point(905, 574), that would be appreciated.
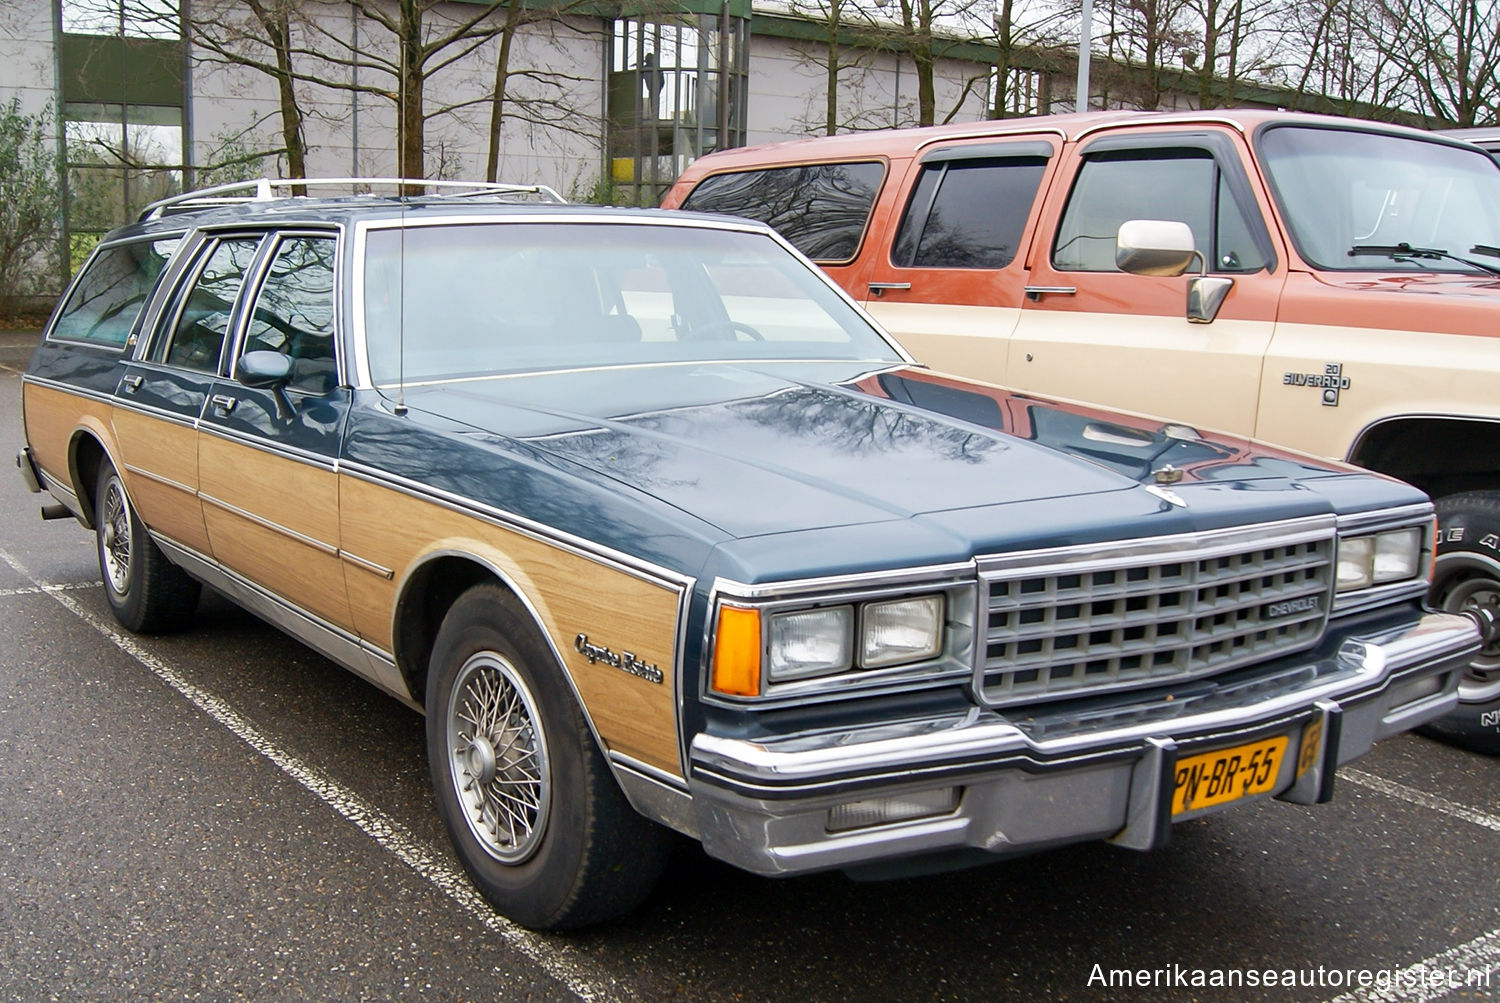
point(822, 209)
point(108, 298)
point(293, 312)
point(204, 315)
point(1184, 185)
point(968, 213)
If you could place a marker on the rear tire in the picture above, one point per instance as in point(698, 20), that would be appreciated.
point(1467, 576)
point(536, 817)
point(147, 593)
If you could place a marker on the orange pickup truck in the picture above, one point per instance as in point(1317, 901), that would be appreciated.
point(1321, 283)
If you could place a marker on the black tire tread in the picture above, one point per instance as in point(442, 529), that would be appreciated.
point(163, 598)
point(621, 854)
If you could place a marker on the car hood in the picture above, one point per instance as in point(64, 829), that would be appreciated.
point(754, 450)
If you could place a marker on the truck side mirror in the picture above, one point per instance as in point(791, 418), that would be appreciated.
point(1164, 247)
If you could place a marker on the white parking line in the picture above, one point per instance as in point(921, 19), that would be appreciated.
point(32, 590)
point(1442, 974)
point(559, 961)
point(1420, 798)
point(1439, 975)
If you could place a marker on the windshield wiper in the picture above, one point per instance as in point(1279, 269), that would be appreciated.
point(1406, 251)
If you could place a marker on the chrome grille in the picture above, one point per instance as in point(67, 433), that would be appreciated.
point(1097, 619)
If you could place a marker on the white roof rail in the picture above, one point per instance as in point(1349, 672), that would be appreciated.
point(265, 189)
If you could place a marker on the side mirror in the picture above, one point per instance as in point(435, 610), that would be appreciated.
point(1164, 247)
point(264, 369)
point(1161, 247)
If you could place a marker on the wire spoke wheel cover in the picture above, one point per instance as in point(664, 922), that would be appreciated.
point(115, 536)
point(498, 757)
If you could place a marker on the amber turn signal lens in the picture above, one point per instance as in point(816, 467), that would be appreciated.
point(737, 652)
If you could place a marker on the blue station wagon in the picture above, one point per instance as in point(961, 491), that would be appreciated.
point(663, 535)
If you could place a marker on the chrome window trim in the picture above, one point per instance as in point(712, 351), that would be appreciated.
point(165, 278)
point(257, 280)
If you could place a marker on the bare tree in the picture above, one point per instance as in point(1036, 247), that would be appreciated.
point(1142, 36)
point(1448, 53)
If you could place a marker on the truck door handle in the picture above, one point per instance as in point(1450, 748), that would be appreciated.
point(130, 384)
point(223, 402)
point(1035, 293)
point(880, 287)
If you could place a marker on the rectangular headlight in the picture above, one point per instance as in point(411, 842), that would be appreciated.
point(1398, 555)
point(815, 642)
point(1355, 558)
point(1379, 558)
point(900, 631)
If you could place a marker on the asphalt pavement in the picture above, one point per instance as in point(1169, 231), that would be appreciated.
point(223, 814)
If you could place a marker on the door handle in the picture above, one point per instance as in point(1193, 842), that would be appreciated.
point(880, 287)
point(1035, 293)
point(130, 384)
point(223, 402)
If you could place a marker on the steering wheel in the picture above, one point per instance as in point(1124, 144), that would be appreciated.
point(734, 326)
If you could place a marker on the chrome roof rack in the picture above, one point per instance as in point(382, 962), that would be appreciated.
point(267, 189)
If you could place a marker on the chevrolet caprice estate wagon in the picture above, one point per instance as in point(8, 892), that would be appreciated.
point(663, 534)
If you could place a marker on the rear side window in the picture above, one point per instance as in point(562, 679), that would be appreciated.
point(111, 292)
point(822, 209)
point(968, 213)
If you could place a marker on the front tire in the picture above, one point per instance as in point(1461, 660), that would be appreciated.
point(537, 819)
point(1467, 576)
point(147, 593)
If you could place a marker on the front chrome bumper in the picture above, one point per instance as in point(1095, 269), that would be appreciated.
point(1105, 772)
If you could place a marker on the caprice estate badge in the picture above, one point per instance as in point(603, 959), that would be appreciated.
point(625, 661)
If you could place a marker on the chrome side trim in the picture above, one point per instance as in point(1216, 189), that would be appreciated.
point(275, 527)
point(327, 639)
point(159, 479)
point(370, 566)
point(262, 445)
point(68, 388)
point(540, 532)
point(620, 759)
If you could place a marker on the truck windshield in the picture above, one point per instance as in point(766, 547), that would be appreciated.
point(1351, 200)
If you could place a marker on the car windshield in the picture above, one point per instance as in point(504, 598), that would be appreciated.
point(462, 300)
point(1364, 201)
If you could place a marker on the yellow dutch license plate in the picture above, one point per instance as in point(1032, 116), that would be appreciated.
point(1225, 775)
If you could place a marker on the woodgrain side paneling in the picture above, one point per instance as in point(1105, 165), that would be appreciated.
point(161, 474)
point(52, 416)
point(274, 520)
point(571, 594)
